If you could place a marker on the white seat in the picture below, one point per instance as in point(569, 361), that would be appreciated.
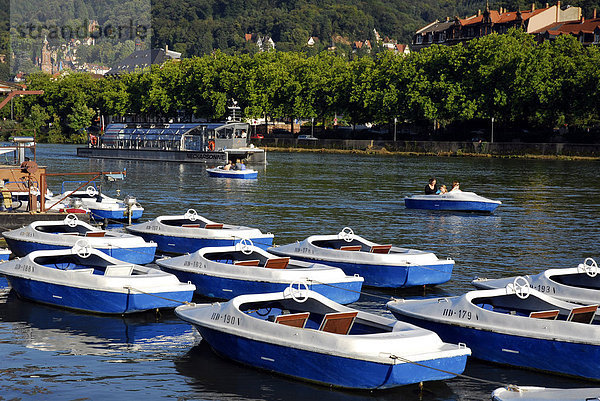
point(118, 270)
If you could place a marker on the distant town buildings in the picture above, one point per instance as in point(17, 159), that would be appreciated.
point(143, 59)
point(545, 23)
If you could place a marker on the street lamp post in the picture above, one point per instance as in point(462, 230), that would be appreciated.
point(312, 125)
point(395, 121)
point(492, 141)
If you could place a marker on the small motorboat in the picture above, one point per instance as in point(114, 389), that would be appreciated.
point(531, 393)
point(246, 173)
point(579, 284)
point(380, 265)
point(226, 272)
point(86, 279)
point(452, 201)
point(516, 325)
point(100, 205)
point(64, 234)
point(189, 232)
point(305, 335)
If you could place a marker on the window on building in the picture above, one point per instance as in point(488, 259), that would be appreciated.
point(419, 39)
point(597, 37)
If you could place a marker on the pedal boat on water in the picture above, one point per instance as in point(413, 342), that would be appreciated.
point(189, 232)
point(304, 335)
point(452, 201)
point(64, 234)
point(85, 279)
point(380, 265)
point(226, 272)
point(220, 172)
point(579, 284)
point(100, 205)
point(516, 325)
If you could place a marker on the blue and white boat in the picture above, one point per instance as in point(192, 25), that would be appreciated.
point(516, 326)
point(304, 335)
point(85, 279)
point(64, 234)
point(531, 393)
point(220, 172)
point(4, 254)
point(100, 205)
point(380, 265)
point(189, 232)
point(579, 284)
point(452, 201)
point(226, 272)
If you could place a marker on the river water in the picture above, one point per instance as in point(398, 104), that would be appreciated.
point(549, 218)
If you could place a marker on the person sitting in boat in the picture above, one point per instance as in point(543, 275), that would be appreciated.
point(431, 188)
point(240, 166)
point(442, 190)
point(227, 166)
point(455, 187)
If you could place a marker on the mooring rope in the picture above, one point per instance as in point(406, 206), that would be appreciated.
point(128, 287)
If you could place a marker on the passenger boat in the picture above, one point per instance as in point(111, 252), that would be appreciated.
point(305, 335)
point(64, 234)
point(380, 265)
point(86, 279)
point(579, 284)
point(530, 393)
point(220, 172)
point(516, 325)
point(100, 205)
point(452, 201)
point(226, 272)
point(189, 232)
point(175, 142)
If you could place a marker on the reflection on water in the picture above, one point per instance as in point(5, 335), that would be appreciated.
point(549, 217)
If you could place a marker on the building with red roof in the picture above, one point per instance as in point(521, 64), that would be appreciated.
point(586, 31)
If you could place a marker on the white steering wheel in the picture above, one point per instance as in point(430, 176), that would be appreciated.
point(82, 248)
point(246, 246)
point(191, 215)
point(346, 234)
point(71, 220)
point(591, 268)
point(91, 191)
point(296, 292)
point(521, 287)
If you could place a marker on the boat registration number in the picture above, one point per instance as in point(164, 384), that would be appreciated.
point(304, 250)
point(194, 263)
point(25, 268)
point(225, 318)
point(545, 288)
point(153, 228)
point(460, 313)
point(26, 234)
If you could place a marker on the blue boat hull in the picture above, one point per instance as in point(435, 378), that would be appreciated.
point(119, 215)
point(95, 301)
point(327, 369)
point(561, 357)
point(457, 206)
point(226, 288)
point(139, 256)
point(183, 245)
point(393, 276)
point(245, 176)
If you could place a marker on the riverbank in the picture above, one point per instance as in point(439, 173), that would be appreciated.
point(565, 151)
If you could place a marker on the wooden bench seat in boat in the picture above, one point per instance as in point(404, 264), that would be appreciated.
point(381, 248)
point(69, 233)
point(293, 319)
point(277, 263)
point(213, 225)
point(350, 248)
point(545, 314)
point(95, 234)
point(88, 270)
point(254, 262)
point(118, 270)
point(338, 322)
point(190, 225)
point(583, 314)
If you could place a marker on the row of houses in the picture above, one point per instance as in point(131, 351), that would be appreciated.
point(545, 23)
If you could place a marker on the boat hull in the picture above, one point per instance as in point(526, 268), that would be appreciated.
point(566, 358)
point(181, 245)
point(137, 255)
point(327, 369)
point(386, 276)
point(95, 301)
point(233, 174)
point(451, 205)
point(227, 288)
point(120, 215)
